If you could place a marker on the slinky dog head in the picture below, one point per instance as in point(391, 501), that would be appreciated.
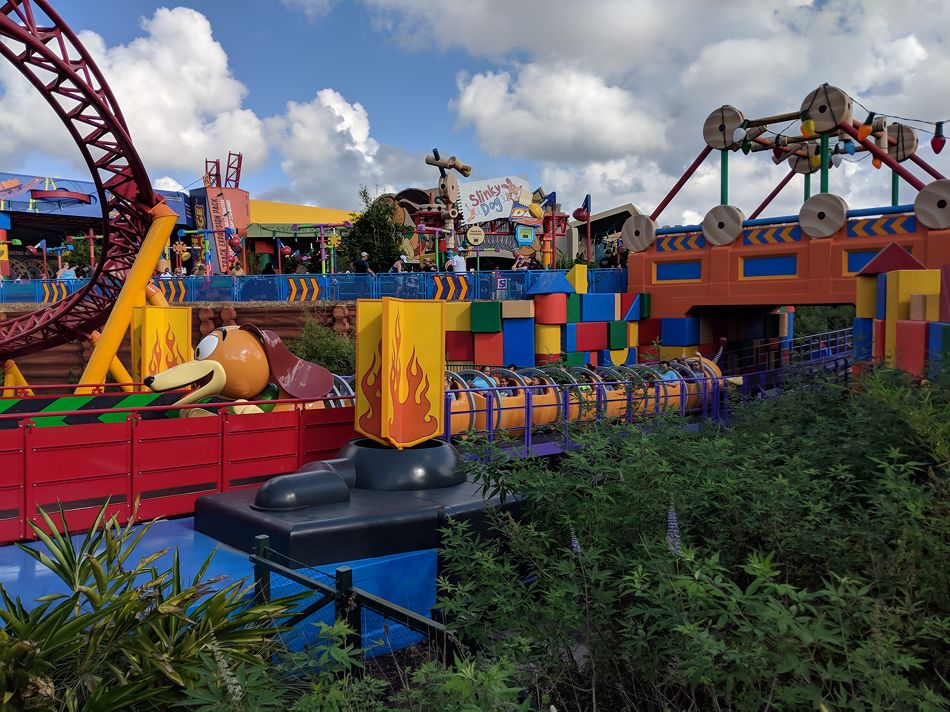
point(239, 362)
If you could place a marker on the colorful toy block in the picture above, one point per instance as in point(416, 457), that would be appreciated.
point(569, 338)
point(519, 342)
point(880, 304)
point(577, 278)
point(577, 358)
point(911, 353)
point(681, 331)
point(489, 349)
point(649, 331)
point(459, 346)
point(633, 333)
point(549, 282)
point(630, 306)
point(545, 359)
point(671, 352)
point(591, 335)
point(891, 258)
point(617, 357)
point(900, 285)
point(938, 347)
point(547, 339)
point(945, 294)
point(597, 307)
point(877, 341)
point(865, 306)
point(617, 335)
point(644, 305)
point(550, 308)
point(458, 316)
point(573, 308)
point(863, 339)
point(519, 309)
point(486, 317)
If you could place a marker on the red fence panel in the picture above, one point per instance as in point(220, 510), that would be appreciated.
point(12, 472)
point(258, 446)
point(79, 467)
point(323, 431)
point(175, 462)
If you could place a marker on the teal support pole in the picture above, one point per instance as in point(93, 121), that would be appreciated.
point(724, 178)
point(895, 189)
point(807, 186)
point(824, 163)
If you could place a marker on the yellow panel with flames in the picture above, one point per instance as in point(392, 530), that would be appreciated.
point(400, 370)
point(161, 338)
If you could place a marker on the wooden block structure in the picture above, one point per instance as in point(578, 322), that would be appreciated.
point(863, 339)
point(901, 284)
point(547, 339)
point(617, 335)
point(519, 346)
point(865, 306)
point(880, 304)
point(877, 340)
point(577, 278)
point(519, 309)
point(459, 346)
point(671, 352)
point(591, 336)
point(617, 357)
point(938, 347)
point(550, 308)
point(486, 317)
point(633, 333)
point(911, 356)
point(630, 306)
point(458, 316)
point(679, 332)
point(489, 348)
point(573, 308)
point(597, 307)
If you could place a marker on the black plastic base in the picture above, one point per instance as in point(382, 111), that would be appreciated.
point(371, 523)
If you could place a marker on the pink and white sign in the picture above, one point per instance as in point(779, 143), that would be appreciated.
point(484, 200)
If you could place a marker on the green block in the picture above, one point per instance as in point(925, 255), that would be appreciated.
point(486, 317)
point(617, 335)
point(644, 305)
point(578, 358)
point(573, 308)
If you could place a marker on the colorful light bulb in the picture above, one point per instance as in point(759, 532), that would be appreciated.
point(850, 148)
point(876, 162)
point(939, 140)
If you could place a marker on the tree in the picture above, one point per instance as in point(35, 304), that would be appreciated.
point(373, 232)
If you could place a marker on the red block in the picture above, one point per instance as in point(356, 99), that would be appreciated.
point(550, 308)
point(489, 349)
point(459, 346)
point(544, 359)
point(892, 257)
point(592, 359)
point(626, 301)
point(591, 335)
point(911, 347)
point(649, 331)
point(877, 341)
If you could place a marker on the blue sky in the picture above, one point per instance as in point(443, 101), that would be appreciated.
point(601, 96)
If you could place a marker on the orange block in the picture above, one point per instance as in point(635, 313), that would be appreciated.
point(550, 308)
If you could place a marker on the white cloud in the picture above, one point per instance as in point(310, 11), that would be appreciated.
point(555, 113)
point(311, 8)
point(168, 183)
point(176, 90)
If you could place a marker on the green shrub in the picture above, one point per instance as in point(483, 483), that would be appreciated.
point(322, 345)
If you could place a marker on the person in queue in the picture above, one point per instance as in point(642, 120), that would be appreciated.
point(361, 264)
point(399, 265)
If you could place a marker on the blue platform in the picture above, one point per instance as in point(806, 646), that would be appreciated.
point(406, 579)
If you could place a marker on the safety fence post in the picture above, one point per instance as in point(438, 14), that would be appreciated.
point(528, 420)
point(448, 417)
point(346, 608)
point(261, 573)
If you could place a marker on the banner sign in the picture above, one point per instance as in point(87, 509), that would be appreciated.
point(485, 200)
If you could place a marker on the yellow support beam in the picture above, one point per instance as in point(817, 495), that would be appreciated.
point(163, 222)
point(119, 373)
point(12, 378)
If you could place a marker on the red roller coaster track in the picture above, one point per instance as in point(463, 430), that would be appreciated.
point(48, 53)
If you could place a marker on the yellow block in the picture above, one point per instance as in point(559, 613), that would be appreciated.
point(901, 284)
point(669, 352)
point(932, 311)
point(618, 357)
point(161, 339)
point(458, 316)
point(547, 339)
point(865, 304)
point(400, 370)
point(633, 333)
point(577, 277)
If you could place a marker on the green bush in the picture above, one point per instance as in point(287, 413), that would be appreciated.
point(322, 345)
point(795, 560)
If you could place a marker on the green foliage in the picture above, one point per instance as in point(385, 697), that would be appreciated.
point(321, 344)
point(791, 561)
point(374, 232)
point(126, 635)
point(810, 320)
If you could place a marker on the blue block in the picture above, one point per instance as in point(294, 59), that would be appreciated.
point(881, 310)
point(633, 313)
point(604, 359)
point(683, 331)
point(548, 282)
point(518, 336)
point(598, 307)
point(863, 335)
point(568, 338)
point(938, 347)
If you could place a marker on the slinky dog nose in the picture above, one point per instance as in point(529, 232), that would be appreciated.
point(148, 380)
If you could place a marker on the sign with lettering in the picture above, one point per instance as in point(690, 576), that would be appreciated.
point(484, 200)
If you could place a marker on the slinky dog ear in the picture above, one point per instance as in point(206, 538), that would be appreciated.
point(299, 378)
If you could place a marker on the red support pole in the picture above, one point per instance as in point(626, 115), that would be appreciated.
point(934, 173)
point(883, 156)
point(771, 196)
point(681, 182)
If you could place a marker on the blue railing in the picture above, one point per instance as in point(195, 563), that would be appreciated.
point(485, 285)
